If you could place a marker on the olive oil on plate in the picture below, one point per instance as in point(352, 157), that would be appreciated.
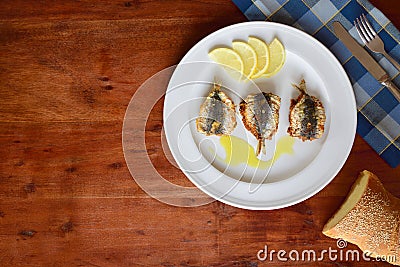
point(239, 151)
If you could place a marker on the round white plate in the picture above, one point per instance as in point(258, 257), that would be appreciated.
point(292, 178)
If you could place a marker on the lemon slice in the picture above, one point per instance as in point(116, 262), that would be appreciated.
point(248, 55)
point(277, 57)
point(262, 52)
point(229, 59)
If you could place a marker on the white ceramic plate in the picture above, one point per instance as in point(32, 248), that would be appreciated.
point(292, 178)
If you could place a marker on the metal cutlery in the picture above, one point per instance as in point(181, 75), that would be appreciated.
point(371, 39)
point(365, 59)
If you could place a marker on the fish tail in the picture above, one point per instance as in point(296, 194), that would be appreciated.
point(217, 85)
point(301, 87)
point(260, 146)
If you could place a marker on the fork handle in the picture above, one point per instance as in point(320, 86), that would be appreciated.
point(391, 86)
point(394, 62)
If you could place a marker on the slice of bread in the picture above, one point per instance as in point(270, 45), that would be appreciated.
point(369, 218)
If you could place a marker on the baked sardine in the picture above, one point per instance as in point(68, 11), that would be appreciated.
point(306, 116)
point(261, 116)
point(217, 114)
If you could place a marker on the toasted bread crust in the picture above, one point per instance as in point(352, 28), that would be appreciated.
point(373, 219)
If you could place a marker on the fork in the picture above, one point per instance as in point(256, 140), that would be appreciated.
point(371, 39)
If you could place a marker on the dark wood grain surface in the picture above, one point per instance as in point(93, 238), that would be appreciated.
point(68, 70)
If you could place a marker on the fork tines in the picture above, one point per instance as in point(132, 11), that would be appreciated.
point(364, 29)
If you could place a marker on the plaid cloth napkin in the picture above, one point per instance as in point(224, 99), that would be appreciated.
point(378, 110)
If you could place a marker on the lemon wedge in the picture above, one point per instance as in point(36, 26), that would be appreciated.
point(262, 52)
point(277, 57)
point(248, 55)
point(228, 58)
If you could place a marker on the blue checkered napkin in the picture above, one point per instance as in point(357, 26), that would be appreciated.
point(378, 110)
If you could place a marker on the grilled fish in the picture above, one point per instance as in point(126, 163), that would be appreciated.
point(217, 114)
point(260, 114)
point(306, 116)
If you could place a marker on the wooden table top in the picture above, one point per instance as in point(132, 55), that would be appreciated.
point(67, 73)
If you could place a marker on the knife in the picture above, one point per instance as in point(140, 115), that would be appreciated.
point(365, 59)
